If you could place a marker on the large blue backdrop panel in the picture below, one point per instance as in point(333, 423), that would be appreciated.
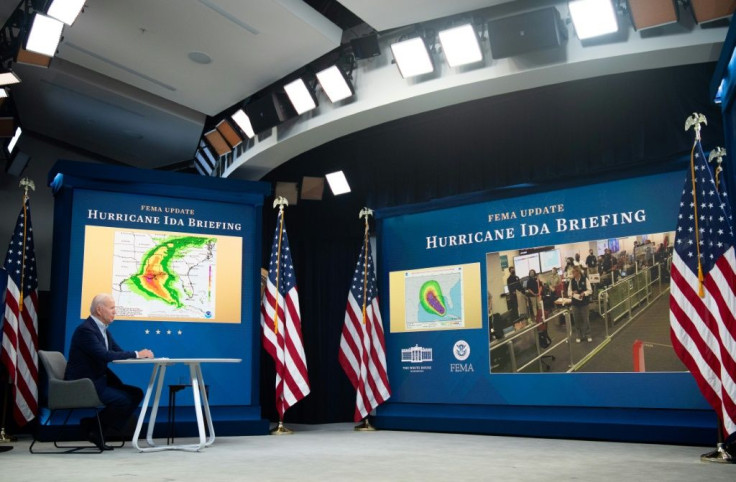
point(456, 390)
point(108, 223)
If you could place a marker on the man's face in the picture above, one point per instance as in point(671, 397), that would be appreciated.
point(106, 311)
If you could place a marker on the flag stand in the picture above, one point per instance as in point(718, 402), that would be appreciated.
point(5, 438)
point(281, 430)
point(365, 426)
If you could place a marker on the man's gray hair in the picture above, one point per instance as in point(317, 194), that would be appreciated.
point(97, 300)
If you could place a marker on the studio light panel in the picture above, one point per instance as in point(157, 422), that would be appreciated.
point(460, 45)
point(412, 57)
point(65, 10)
point(300, 96)
point(593, 18)
point(8, 78)
point(243, 121)
point(338, 183)
point(335, 84)
point(45, 35)
point(652, 13)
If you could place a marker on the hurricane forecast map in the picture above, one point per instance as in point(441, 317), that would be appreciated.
point(168, 275)
point(434, 299)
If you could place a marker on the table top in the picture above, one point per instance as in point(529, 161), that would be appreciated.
point(170, 361)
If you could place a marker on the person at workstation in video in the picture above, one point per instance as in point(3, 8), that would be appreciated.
point(92, 348)
point(579, 290)
point(534, 293)
point(514, 285)
point(591, 262)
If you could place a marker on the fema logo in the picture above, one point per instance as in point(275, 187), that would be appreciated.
point(461, 350)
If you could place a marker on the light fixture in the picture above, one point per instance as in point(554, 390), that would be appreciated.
point(8, 78)
point(365, 47)
point(301, 96)
point(412, 57)
point(710, 10)
point(228, 132)
point(460, 45)
point(3, 93)
point(32, 58)
point(312, 188)
point(14, 140)
point(45, 35)
point(335, 84)
point(65, 10)
point(593, 18)
point(242, 120)
point(7, 127)
point(338, 183)
point(652, 13)
point(269, 111)
point(288, 190)
point(203, 164)
point(217, 142)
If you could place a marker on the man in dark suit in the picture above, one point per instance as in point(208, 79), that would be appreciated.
point(92, 348)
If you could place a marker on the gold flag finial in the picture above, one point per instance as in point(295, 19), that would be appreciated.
point(717, 154)
point(27, 184)
point(694, 121)
point(280, 201)
point(365, 213)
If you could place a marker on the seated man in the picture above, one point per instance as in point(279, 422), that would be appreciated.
point(92, 348)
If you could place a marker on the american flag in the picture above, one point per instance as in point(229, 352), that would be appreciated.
point(20, 326)
point(281, 323)
point(702, 315)
point(362, 348)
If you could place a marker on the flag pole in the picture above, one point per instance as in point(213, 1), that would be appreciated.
point(26, 184)
point(365, 214)
point(694, 121)
point(718, 154)
point(721, 454)
point(279, 202)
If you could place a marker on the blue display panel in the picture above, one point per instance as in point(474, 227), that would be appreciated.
point(181, 256)
point(451, 367)
point(140, 215)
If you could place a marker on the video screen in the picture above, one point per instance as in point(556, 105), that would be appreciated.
point(526, 262)
point(162, 275)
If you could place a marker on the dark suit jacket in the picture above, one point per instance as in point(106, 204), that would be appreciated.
point(88, 356)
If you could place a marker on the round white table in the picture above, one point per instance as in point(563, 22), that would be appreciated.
point(200, 399)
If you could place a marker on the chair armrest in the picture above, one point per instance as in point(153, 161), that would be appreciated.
point(73, 394)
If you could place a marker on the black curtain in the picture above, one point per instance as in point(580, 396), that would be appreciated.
point(612, 126)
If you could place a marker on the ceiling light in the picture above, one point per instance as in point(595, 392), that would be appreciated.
point(300, 96)
point(45, 35)
point(460, 45)
point(412, 57)
point(242, 120)
point(65, 10)
point(593, 18)
point(14, 140)
point(335, 84)
point(338, 183)
point(8, 78)
point(3, 93)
